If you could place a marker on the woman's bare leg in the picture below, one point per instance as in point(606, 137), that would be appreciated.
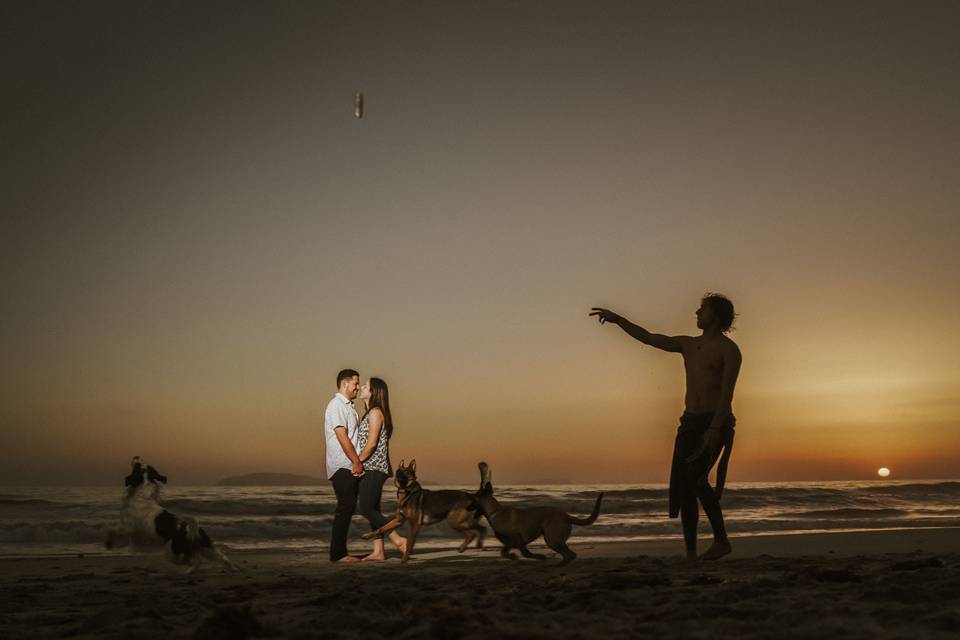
point(377, 554)
point(398, 541)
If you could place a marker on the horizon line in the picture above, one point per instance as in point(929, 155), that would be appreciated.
point(325, 482)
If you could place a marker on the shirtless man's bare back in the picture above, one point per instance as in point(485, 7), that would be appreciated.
point(712, 364)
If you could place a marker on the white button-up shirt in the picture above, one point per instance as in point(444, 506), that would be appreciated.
point(340, 413)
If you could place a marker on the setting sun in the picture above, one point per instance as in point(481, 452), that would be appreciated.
point(883, 472)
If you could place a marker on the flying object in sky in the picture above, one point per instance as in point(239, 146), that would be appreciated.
point(358, 104)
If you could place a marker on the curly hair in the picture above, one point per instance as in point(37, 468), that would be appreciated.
point(722, 307)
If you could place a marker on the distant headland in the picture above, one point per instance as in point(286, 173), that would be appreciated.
point(270, 480)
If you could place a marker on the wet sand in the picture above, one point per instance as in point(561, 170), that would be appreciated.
point(888, 584)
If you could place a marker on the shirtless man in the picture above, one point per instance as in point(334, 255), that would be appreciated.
point(712, 363)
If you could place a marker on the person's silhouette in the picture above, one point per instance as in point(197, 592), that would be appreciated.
point(712, 363)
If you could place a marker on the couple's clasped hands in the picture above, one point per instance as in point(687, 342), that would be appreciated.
point(356, 469)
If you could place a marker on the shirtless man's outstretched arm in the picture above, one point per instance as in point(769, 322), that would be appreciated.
point(674, 344)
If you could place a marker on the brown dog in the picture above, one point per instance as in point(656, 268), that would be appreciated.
point(421, 506)
point(518, 527)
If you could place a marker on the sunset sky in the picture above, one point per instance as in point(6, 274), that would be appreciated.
point(198, 234)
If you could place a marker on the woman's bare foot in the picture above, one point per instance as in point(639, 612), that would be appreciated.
point(376, 555)
point(400, 543)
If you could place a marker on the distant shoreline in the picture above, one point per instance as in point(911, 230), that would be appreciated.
point(271, 479)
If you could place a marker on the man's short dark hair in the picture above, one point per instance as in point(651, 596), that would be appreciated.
point(722, 307)
point(346, 374)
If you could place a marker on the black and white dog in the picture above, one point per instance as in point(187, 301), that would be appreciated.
point(146, 524)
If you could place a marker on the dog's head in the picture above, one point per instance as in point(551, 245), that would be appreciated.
point(142, 473)
point(138, 467)
point(138, 470)
point(483, 501)
point(406, 476)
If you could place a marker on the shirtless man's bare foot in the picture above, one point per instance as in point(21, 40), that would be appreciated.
point(349, 559)
point(717, 550)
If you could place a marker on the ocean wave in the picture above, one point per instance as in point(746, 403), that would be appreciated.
point(920, 488)
point(951, 487)
point(58, 517)
point(74, 531)
point(252, 507)
point(25, 501)
point(53, 532)
point(849, 512)
point(283, 530)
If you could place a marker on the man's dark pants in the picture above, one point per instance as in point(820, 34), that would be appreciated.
point(345, 485)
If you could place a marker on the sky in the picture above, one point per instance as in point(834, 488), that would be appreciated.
point(198, 234)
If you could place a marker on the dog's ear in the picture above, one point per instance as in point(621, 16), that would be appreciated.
point(488, 488)
point(413, 465)
point(401, 465)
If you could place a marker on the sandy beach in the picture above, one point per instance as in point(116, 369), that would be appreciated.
point(882, 584)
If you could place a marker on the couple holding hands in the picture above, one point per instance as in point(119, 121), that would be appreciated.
point(358, 460)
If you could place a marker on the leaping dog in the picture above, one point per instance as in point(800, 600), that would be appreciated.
point(422, 506)
point(145, 524)
point(517, 527)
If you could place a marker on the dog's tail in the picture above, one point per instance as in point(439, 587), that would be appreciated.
point(593, 516)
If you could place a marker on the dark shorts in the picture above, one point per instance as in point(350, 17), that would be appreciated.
point(686, 477)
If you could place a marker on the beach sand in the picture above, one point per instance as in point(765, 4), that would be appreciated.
point(885, 584)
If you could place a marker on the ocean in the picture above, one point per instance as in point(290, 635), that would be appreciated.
point(73, 520)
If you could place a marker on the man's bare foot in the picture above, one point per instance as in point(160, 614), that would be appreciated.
point(348, 559)
point(374, 557)
point(402, 545)
point(716, 551)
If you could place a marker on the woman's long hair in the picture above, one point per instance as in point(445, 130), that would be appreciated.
point(380, 399)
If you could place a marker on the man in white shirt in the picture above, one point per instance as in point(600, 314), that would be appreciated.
point(343, 464)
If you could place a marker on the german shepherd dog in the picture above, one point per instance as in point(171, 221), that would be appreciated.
point(420, 506)
point(518, 527)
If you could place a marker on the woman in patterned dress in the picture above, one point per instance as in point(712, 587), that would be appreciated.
point(373, 438)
